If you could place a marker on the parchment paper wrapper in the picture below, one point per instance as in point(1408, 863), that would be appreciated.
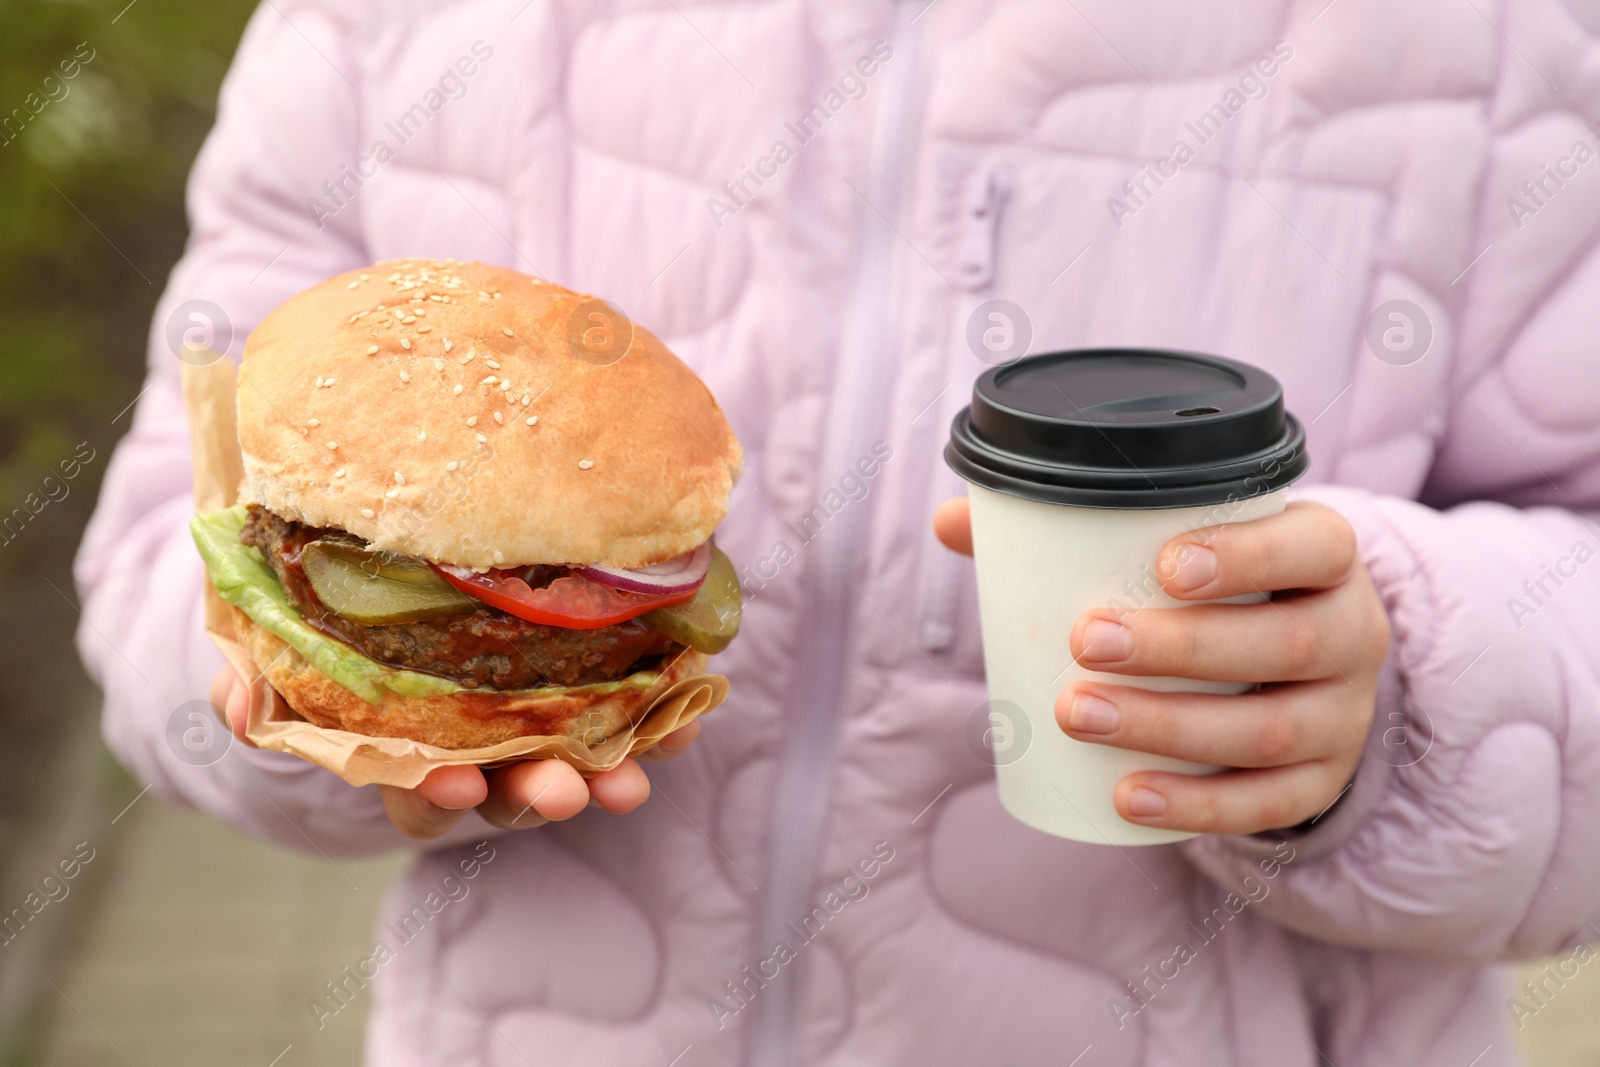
point(208, 394)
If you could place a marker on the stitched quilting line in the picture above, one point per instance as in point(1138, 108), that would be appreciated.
point(939, 905)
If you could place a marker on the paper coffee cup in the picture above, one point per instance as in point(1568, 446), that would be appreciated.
point(1082, 465)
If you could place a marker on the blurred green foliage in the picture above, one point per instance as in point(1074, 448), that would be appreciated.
point(91, 208)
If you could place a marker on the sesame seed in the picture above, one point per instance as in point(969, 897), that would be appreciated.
point(366, 513)
point(354, 317)
point(320, 380)
point(457, 390)
point(354, 284)
point(329, 383)
point(499, 556)
point(438, 364)
point(424, 329)
point(391, 494)
point(399, 479)
point(447, 345)
point(505, 385)
point(497, 418)
point(585, 464)
point(507, 331)
point(490, 380)
point(472, 420)
point(364, 277)
point(532, 419)
point(404, 377)
point(405, 343)
point(332, 445)
point(482, 440)
point(526, 399)
point(492, 363)
point(339, 473)
point(422, 435)
point(313, 422)
point(372, 350)
point(452, 465)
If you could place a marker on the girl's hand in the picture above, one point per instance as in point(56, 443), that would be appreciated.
point(1316, 649)
point(516, 797)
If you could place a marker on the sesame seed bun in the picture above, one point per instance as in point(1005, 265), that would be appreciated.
point(375, 402)
point(452, 720)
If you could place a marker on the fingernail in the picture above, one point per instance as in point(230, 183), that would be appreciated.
point(1197, 567)
point(1106, 641)
point(1092, 715)
point(1146, 803)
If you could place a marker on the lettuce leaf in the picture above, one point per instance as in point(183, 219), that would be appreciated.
point(243, 578)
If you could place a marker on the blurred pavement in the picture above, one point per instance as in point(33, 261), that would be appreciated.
point(186, 944)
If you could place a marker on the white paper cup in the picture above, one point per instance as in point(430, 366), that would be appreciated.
point(1082, 466)
point(1040, 566)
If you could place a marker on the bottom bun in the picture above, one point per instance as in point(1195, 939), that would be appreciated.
point(468, 719)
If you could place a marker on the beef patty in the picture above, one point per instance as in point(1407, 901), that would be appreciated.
point(486, 647)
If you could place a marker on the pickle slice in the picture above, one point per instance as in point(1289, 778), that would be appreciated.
point(378, 588)
point(710, 621)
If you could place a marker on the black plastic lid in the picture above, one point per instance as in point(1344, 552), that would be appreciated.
point(1127, 428)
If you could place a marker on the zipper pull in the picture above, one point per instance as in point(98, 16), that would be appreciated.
point(980, 213)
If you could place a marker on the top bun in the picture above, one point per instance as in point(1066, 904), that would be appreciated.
point(378, 402)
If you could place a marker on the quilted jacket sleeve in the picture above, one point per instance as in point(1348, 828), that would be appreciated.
point(1473, 825)
point(287, 122)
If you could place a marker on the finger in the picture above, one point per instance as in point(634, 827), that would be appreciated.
point(1307, 546)
point(1300, 639)
point(1234, 802)
point(436, 804)
point(532, 793)
point(952, 525)
point(622, 788)
point(236, 708)
point(456, 788)
point(1269, 728)
point(674, 744)
point(221, 688)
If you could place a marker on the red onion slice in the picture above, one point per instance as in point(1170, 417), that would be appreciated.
point(678, 575)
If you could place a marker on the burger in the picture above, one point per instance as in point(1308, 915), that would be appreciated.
point(476, 506)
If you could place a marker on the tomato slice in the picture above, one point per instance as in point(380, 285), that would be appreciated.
point(571, 601)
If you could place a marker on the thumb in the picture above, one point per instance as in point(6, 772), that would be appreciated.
point(232, 698)
point(952, 524)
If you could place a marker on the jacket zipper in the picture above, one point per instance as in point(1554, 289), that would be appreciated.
point(981, 201)
point(813, 705)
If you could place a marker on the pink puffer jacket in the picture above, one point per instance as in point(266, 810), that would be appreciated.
point(814, 201)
